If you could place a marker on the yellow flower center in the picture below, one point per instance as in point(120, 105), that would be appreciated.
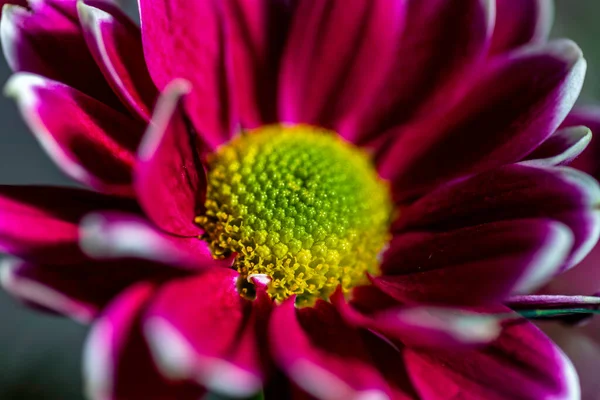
point(299, 205)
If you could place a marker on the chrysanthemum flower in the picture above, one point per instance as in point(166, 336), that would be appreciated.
point(318, 184)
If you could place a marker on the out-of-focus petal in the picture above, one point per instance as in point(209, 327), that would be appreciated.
point(110, 235)
point(331, 74)
point(200, 328)
point(491, 124)
point(90, 141)
point(442, 41)
point(512, 257)
point(186, 40)
point(583, 350)
point(520, 22)
point(169, 177)
point(561, 148)
point(116, 44)
point(117, 359)
point(425, 326)
point(324, 355)
point(257, 31)
point(513, 192)
point(522, 364)
point(47, 40)
point(79, 290)
point(39, 223)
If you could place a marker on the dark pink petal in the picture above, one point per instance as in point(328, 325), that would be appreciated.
point(117, 360)
point(425, 326)
point(186, 40)
point(512, 257)
point(323, 354)
point(202, 329)
point(513, 192)
point(442, 40)
point(79, 290)
point(561, 148)
point(491, 124)
point(587, 116)
point(41, 223)
point(520, 22)
point(336, 59)
point(90, 141)
point(257, 31)
point(111, 235)
point(116, 44)
point(522, 364)
point(47, 40)
point(169, 178)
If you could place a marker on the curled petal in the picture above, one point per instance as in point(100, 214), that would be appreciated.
point(588, 116)
point(90, 141)
point(561, 148)
point(116, 44)
point(169, 177)
point(47, 40)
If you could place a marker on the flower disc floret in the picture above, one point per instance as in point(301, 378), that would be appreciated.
point(299, 205)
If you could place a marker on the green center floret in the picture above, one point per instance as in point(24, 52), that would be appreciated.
point(299, 205)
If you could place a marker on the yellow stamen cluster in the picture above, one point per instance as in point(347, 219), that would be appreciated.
point(299, 205)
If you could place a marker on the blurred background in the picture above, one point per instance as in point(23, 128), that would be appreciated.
point(40, 355)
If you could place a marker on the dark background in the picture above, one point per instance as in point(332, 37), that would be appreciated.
point(39, 354)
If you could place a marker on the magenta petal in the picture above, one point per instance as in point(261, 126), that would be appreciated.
point(561, 148)
point(169, 178)
point(491, 124)
point(47, 288)
point(90, 141)
point(513, 192)
point(110, 235)
point(41, 223)
point(257, 33)
point(512, 257)
point(47, 40)
point(425, 326)
point(336, 59)
point(186, 40)
point(116, 44)
point(522, 364)
point(521, 22)
point(79, 290)
point(202, 329)
point(117, 360)
point(442, 41)
point(323, 354)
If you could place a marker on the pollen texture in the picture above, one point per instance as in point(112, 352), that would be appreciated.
point(299, 205)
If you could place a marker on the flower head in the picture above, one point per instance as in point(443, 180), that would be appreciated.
point(326, 198)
